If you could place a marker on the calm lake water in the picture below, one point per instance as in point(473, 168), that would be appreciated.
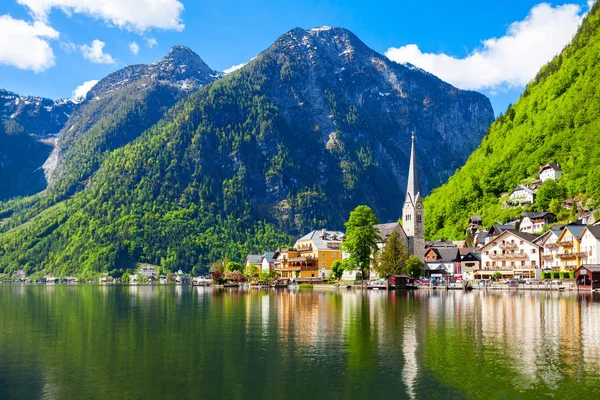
point(145, 342)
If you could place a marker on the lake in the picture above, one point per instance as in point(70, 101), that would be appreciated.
point(167, 342)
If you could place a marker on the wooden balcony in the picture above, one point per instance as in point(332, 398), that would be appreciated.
point(566, 256)
point(551, 246)
point(567, 243)
point(582, 254)
point(507, 246)
point(548, 257)
point(509, 256)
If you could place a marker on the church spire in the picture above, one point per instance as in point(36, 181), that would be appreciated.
point(412, 188)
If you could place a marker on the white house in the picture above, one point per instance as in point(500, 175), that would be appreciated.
point(512, 254)
point(550, 247)
point(522, 195)
point(590, 244)
point(268, 262)
point(550, 171)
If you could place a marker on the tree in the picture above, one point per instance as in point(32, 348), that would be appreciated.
point(496, 276)
point(234, 266)
point(549, 191)
point(414, 267)
point(555, 206)
point(251, 271)
point(337, 269)
point(361, 238)
point(125, 278)
point(392, 258)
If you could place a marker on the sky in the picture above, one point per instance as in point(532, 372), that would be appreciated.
point(59, 48)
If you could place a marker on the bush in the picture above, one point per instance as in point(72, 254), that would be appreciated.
point(571, 275)
point(547, 275)
point(566, 275)
point(556, 275)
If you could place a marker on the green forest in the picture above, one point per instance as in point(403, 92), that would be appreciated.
point(556, 119)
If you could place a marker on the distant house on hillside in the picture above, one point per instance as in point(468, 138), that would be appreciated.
point(522, 195)
point(532, 222)
point(550, 171)
point(475, 222)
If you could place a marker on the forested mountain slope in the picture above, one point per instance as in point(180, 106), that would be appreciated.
point(315, 125)
point(557, 119)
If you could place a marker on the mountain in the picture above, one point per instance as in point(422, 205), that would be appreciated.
point(315, 125)
point(557, 119)
point(117, 110)
point(27, 127)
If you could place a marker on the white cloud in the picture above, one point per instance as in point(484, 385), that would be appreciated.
point(509, 61)
point(133, 15)
point(95, 53)
point(81, 90)
point(68, 47)
point(233, 68)
point(25, 45)
point(150, 42)
point(134, 48)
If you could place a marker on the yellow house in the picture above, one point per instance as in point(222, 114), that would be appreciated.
point(311, 256)
point(569, 248)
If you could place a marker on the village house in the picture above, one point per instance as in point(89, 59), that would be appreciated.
point(549, 243)
point(513, 254)
point(590, 244)
point(522, 195)
point(569, 252)
point(148, 272)
point(268, 262)
point(442, 261)
point(253, 259)
point(470, 262)
point(532, 222)
point(312, 255)
point(550, 171)
point(475, 223)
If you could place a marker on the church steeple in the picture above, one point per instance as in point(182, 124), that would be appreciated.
point(412, 188)
point(413, 215)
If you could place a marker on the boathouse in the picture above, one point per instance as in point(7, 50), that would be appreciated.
point(588, 277)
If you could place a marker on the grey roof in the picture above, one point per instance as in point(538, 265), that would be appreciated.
point(322, 237)
point(475, 218)
point(466, 250)
point(551, 166)
point(532, 215)
point(575, 229)
point(525, 188)
point(440, 243)
point(501, 228)
point(385, 230)
point(523, 235)
point(471, 256)
point(268, 256)
point(254, 259)
point(412, 187)
point(594, 230)
point(592, 267)
point(445, 254)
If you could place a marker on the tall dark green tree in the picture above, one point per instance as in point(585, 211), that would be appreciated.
point(391, 259)
point(414, 267)
point(549, 191)
point(361, 238)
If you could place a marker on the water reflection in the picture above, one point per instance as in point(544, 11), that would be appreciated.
point(167, 341)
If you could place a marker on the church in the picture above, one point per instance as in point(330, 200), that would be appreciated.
point(411, 231)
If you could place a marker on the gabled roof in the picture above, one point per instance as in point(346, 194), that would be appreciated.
point(591, 267)
point(594, 230)
point(553, 166)
point(471, 256)
point(268, 256)
point(386, 230)
point(500, 228)
point(525, 188)
point(466, 250)
point(521, 235)
point(534, 215)
point(254, 259)
point(445, 254)
point(320, 238)
point(475, 218)
point(573, 229)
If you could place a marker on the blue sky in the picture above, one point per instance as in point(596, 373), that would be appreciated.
point(53, 46)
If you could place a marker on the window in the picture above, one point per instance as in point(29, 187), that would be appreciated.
point(323, 264)
point(521, 242)
point(487, 263)
point(504, 263)
point(333, 255)
point(322, 255)
point(533, 263)
point(532, 251)
point(419, 219)
point(522, 263)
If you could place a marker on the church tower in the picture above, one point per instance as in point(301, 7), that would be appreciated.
point(412, 213)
